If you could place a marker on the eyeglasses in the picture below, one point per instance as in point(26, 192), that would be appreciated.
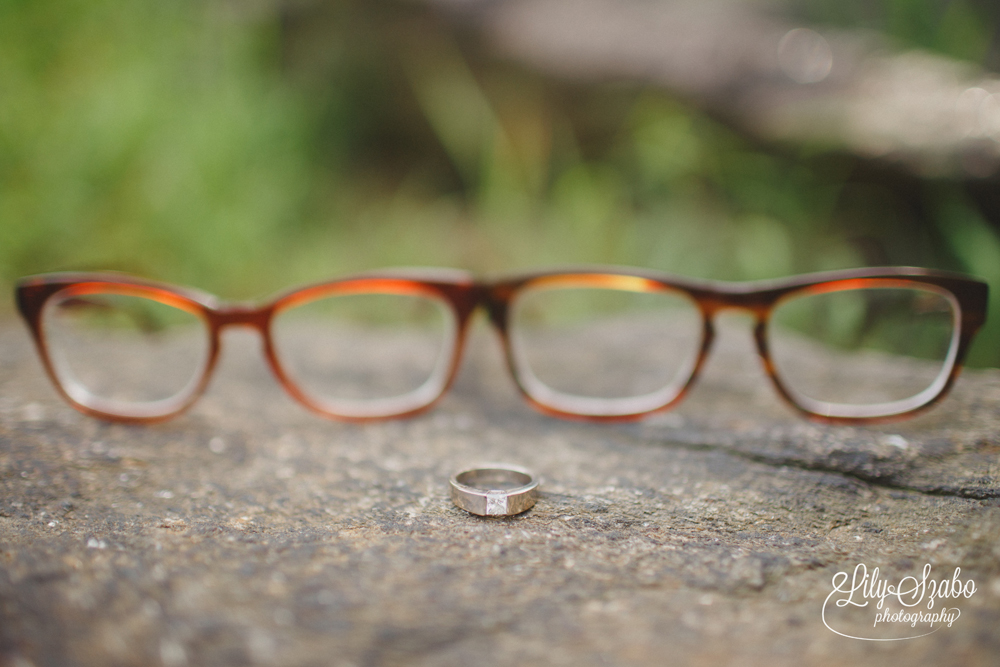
point(601, 344)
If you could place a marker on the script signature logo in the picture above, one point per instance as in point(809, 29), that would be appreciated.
point(858, 589)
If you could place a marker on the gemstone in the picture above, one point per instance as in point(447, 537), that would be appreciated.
point(496, 503)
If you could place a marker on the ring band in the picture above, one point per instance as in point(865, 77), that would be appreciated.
point(494, 490)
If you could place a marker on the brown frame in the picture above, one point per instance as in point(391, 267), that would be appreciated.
point(464, 295)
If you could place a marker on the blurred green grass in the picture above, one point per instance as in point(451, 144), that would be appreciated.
point(247, 147)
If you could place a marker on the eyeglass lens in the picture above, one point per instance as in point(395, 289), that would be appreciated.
point(124, 354)
point(366, 354)
point(604, 351)
point(863, 349)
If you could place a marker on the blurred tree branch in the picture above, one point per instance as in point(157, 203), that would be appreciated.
point(767, 75)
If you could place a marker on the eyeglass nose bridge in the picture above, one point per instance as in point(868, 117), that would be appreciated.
point(236, 315)
point(713, 302)
point(249, 316)
point(240, 315)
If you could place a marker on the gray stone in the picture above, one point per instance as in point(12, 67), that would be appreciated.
point(249, 531)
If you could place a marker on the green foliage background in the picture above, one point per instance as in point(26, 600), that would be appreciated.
point(243, 147)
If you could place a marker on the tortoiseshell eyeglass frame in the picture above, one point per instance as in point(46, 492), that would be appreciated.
point(463, 295)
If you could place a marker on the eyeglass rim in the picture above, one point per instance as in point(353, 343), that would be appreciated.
point(760, 298)
point(451, 287)
point(871, 412)
point(463, 294)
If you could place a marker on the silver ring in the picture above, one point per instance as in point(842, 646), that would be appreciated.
point(494, 490)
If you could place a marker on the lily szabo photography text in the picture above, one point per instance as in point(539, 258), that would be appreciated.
point(399, 333)
point(914, 597)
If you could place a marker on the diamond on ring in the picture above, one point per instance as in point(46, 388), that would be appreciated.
point(496, 503)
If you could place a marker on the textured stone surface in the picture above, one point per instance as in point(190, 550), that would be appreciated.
point(252, 532)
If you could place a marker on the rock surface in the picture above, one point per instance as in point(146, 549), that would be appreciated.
point(249, 531)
